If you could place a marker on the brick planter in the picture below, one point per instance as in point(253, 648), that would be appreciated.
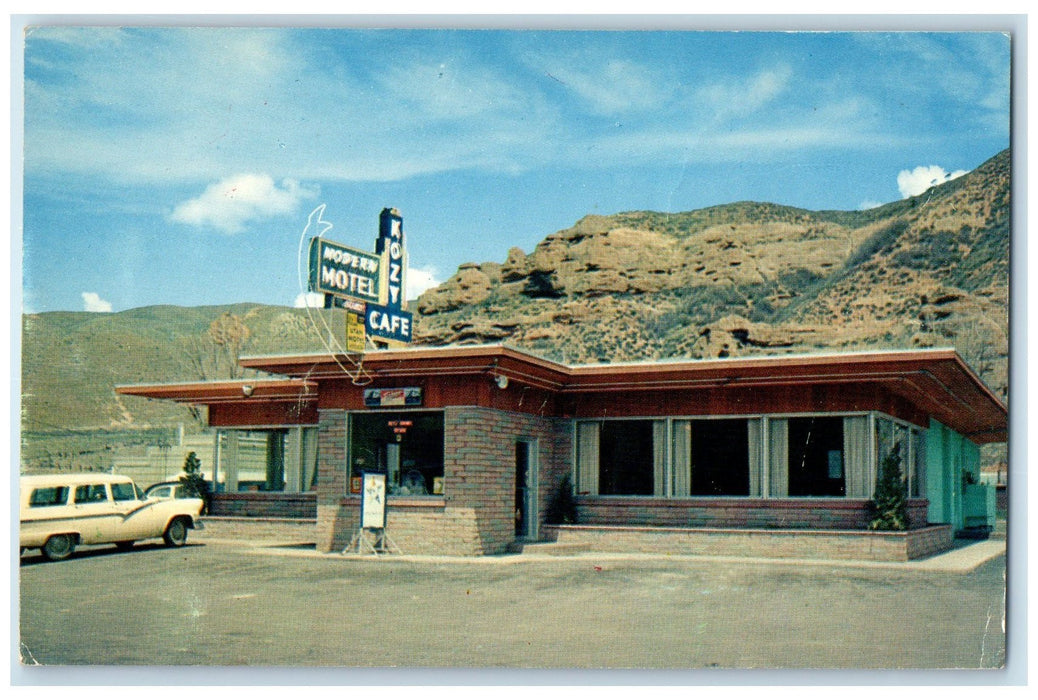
point(264, 504)
point(800, 544)
point(817, 513)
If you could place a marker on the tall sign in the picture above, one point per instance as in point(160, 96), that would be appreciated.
point(389, 319)
point(372, 287)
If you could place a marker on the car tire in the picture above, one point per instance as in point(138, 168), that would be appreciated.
point(124, 546)
point(58, 547)
point(176, 533)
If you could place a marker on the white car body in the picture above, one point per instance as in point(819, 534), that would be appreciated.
point(60, 511)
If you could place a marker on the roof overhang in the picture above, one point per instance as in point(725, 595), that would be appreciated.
point(937, 381)
point(230, 391)
point(453, 361)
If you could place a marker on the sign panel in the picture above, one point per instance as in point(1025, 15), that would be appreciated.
point(388, 323)
point(344, 272)
point(373, 501)
point(390, 245)
point(405, 396)
point(354, 331)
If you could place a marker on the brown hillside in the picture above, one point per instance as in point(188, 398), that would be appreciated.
point(748, 278)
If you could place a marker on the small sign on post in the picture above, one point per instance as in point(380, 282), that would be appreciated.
point(373, 501)
point(371, 536)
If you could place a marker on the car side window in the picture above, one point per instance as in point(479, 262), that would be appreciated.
point(48, 496)
point(123, 492)
point(92, 493)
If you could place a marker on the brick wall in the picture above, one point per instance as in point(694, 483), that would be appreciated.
point(333, 521)
point(479, 469)
point(476, 514)
point(331, 456)
point(799, 544)
point(261, 504)
point(817, 513)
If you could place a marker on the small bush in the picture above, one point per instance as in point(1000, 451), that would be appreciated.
point(193, 481)
point(563, 508)
point(889, 504)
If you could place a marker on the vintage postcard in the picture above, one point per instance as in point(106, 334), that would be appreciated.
point(657, 347)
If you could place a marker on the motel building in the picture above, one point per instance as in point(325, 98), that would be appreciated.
point(773, 456)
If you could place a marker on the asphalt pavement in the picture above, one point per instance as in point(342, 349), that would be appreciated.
point(232, 604)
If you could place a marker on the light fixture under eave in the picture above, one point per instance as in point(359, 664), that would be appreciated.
point(501, 381)
point(246, 389)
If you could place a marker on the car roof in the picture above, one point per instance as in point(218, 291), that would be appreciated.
point(73, 478)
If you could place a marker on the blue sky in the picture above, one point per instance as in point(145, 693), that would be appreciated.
point(179, 166)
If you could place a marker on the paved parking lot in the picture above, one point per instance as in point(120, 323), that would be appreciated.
point(219, 603)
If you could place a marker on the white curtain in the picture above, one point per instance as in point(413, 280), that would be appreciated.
point(778, 474)
point(659, 457)
point(682, 458)
point(293, 465)
point(753, 429)
point(587, 458)
point(856, 456)
point(309, 457)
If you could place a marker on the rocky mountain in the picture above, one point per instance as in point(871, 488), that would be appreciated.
point(746, 278)
point(736, 279)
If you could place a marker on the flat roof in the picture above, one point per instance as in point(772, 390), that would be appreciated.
point(226, 391)
point(935, 379)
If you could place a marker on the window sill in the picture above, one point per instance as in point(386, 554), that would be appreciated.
point(403, 501)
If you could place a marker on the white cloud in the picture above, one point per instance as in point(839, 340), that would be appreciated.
point(742, 97)
point(309, 300)
point(869, 204)
point(93, 302)
point(615, 86)
point(420, 279)
point(234, 201)
point(922, 178)
point(161, 105)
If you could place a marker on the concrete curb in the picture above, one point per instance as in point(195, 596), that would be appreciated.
point(965, 557)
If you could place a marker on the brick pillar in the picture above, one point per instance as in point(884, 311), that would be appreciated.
point(334, 522)
point(479, 468)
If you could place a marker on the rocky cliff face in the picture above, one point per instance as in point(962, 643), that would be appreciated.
point(749, 278)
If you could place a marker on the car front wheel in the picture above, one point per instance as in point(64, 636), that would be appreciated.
point(59, 547)
point(176, 533)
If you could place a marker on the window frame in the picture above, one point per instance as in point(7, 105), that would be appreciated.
point(222, 469)
point(873, 458)
point(348, 466)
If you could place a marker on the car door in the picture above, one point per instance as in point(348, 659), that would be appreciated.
point(135, 522)
point(98, 521)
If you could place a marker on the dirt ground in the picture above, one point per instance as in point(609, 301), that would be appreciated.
point(221, 605)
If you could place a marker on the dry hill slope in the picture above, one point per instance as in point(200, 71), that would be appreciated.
point(749, 278)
